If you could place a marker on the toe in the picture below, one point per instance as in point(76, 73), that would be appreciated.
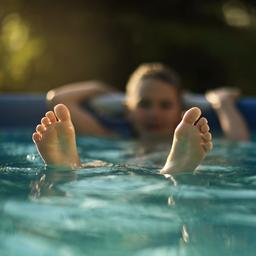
point(192, 115)
point(45, 121)
point(201, 121)
point(51, 116)
point(204, 128)
point(208, 146)
point(62, 112)
point(207, 136)
point(40, 128)
point(36, 137)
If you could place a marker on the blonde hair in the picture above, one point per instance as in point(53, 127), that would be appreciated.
point(154, 70)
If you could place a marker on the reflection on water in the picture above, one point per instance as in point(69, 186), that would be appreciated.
point(112, 208)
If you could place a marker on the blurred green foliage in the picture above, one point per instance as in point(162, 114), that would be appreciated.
point(44, 44)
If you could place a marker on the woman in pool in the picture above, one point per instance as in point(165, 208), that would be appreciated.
point(154, 108)
point(153, 104)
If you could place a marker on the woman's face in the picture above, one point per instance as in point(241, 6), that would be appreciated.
point(155, 109)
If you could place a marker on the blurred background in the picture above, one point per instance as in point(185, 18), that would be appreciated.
point(44, 44)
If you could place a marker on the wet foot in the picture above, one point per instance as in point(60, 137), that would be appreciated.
point(55, 139)
point(191, 142)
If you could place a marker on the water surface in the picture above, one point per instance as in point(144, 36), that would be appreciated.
point(124, 207)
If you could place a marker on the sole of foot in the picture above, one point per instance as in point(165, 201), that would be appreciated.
point(55, 138)
point(192, 141)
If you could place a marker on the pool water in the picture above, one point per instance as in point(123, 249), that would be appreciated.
point(123, 206)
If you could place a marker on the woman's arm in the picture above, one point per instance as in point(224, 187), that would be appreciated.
point(72, 95)
point(231, 120)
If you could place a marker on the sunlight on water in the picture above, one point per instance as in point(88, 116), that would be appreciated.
point(121, 208)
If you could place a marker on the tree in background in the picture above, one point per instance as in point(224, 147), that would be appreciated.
point(45, 44)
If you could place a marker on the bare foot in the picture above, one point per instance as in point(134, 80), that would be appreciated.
point(55, 138)
point(191, 142)
point(222, 96)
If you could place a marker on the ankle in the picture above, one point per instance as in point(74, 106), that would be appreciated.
point(171, 167)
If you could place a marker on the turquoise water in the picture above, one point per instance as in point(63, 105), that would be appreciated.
point(124, 207)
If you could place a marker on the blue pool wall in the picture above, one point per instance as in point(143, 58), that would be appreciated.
point(22, 110)
point(26, 110)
